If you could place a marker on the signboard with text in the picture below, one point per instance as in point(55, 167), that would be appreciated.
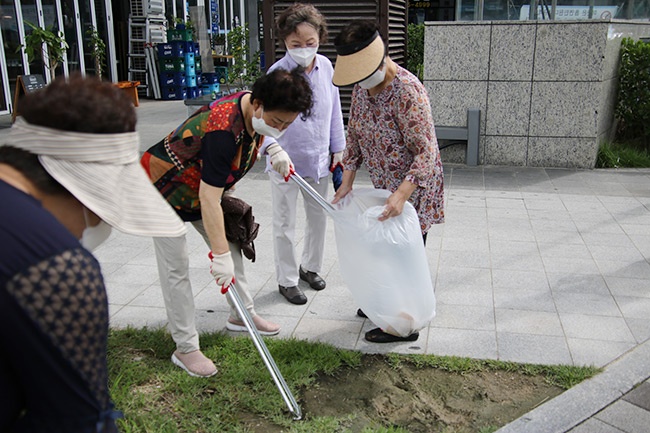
point(570, 12)
point(26, 84)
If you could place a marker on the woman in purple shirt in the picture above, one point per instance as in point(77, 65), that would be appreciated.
point(315, 146)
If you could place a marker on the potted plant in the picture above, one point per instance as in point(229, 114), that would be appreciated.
point(185, 24)
point(98, 50)
point(219, 43)
point(47, 44)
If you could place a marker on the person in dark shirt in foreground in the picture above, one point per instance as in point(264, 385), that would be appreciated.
point(69, 172)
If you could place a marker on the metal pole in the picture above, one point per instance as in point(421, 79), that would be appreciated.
point(312, 193)
point(264, 352)
point(553, 8)
point(478, 13)
point(532, 12)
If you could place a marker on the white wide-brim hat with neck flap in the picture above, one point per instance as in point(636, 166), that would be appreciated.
point(357, 61)
point(103, 172)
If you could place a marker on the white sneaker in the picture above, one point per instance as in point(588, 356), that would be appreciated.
point(264, 327)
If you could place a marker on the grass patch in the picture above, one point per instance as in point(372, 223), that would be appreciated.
point(621, 155)
point(563, 376)
point(157, 396)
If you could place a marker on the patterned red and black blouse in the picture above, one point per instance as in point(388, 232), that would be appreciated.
point(212, 145)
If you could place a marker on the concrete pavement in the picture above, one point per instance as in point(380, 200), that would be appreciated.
point(533, 265)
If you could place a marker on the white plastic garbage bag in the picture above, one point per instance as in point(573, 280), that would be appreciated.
point(384, 263)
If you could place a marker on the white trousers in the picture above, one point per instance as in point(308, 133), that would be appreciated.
point(285, 197)
point(173, 271)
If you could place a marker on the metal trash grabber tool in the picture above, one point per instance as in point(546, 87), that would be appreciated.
point(252, 329)
point(264, 352)
point(312, 192)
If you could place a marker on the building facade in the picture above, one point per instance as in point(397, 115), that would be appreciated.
point(79, 19)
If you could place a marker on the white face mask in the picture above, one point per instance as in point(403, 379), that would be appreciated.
point(303, 56)
point(94, 236)
point(374, 80)
point(260, 126)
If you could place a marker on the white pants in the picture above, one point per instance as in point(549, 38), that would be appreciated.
point(173, 271)
point(285, 197)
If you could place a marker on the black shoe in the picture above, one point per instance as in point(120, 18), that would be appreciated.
point(314, 280)
point(293, 294)
point(360, 313)
point(378, 336)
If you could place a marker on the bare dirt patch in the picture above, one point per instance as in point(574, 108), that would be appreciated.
point(421, 400)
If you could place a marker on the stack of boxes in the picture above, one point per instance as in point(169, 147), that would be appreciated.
point(180, 66)
point(192, 69)
point(210, 83)
point(171, 59)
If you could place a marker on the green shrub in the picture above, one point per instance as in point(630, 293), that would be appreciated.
point(633, 106)
point(619, 155)
point(415, 50)
point(246, 67)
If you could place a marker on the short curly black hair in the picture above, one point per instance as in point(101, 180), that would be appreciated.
point(284, 90)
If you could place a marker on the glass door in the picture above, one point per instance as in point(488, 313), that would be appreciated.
point(52, 22)
point(29, 16)
point(14, 59)
point(87, 22)
point(76, 19)
point(104, 28)
point(5, 94)
point(70, 11)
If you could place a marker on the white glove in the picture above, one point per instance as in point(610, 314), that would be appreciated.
point(337, 159)
point(280, 160)
point(222, 268)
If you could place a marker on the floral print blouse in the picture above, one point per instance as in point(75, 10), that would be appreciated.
point(392, 133)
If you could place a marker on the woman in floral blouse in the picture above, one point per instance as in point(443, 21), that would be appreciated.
point(391, 130)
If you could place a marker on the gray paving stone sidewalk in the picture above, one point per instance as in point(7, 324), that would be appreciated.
point(533, 265)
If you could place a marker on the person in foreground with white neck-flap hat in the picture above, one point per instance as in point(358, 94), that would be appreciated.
point(69, 172)
point(391, 130)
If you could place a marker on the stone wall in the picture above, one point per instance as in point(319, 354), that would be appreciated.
point(546, 90)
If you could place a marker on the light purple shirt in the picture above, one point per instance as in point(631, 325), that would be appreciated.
point(310, 142)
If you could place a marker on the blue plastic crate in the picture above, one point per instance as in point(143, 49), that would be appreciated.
point(172, 79)
point(192, 47)
point(197, 64)
point(179, 35)
point(209, 78)
point(222, 74)
point(189, 59)
point(173, 93)
point(193, 92)
point(209, 89)
point(190, 70)
point(171, 49)
point(190, 80)
point(172, 64)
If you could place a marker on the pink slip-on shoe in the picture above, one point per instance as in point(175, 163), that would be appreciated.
point(194, 363)
point(264, 327)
